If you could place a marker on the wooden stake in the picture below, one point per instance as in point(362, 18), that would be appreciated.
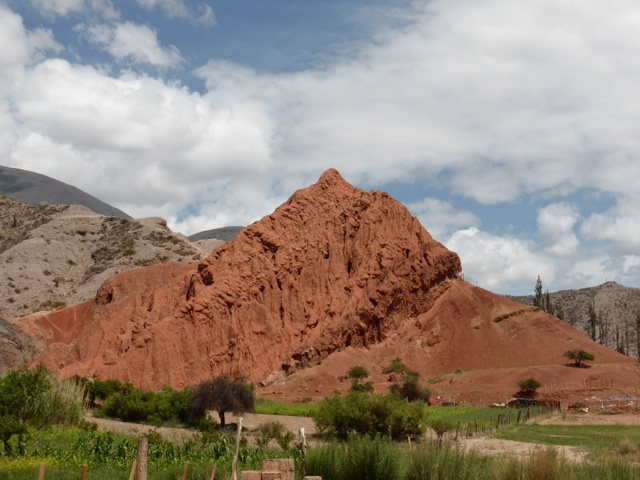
point(83, 474)
point(132, 473)
point(234, 474)
point(213, 472)
point(41, 472)
point(186, 468)
point(141, 469)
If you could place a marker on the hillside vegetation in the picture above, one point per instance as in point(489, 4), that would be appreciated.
point(608, 313)
point(52, 255)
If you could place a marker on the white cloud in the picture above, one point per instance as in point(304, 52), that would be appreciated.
point(500, 264)
point(65, 8)
point(555, 224)
point(178, 9)
point(137, 141)
point(137, 43)
point(441, 218)
point(622, 231)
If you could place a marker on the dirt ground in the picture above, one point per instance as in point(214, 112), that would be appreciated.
point(481, 445)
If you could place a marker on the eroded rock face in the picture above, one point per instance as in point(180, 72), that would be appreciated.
point(16, 348)
point(333, 267)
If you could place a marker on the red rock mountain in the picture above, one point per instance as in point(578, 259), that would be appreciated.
point(334, 275)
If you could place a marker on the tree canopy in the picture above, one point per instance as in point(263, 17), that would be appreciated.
point(222, 395)
point(578, 356)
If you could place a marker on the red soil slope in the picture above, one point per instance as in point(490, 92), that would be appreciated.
point(336, 275)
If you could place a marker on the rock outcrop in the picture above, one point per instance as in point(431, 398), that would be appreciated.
point(333, 270)
point(58, 255)
point(16, 347)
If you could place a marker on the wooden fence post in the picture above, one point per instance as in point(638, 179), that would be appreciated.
point(83, 474)
point(141, 460)
point(234, 464)
point(41, 472)
point(303, 449)
point(186, 468)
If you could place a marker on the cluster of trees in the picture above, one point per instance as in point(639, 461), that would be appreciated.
point(543, 301)
point(620, 336)
point(398, 414)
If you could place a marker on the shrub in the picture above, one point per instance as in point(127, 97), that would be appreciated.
point(396, 366)
point(528, 387)
point(412, 390)
point(359, 413)
point(165, 406)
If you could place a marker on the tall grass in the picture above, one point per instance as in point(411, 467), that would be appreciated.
point(362, 458)
point(358, 459)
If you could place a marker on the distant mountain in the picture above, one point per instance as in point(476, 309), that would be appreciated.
point(55, 255)
point(616, 309)
point(225, 233)
point(36, 189)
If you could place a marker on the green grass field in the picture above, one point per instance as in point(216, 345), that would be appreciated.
point(597, 438)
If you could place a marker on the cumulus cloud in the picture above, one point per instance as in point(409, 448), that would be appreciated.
point(555, 224)
point(499, 263)
point(441, 218)
point(137, 43)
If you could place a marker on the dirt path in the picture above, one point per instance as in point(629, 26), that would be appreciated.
point(481, 445)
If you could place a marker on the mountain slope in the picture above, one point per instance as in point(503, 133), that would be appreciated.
point(53, 255)
point(34, 189)
point(334, 275)
point(616, 308)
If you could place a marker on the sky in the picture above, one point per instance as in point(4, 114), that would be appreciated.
point(510, 129)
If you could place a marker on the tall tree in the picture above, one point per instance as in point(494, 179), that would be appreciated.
point(537, 300)
point(638, 334)
point(222, 395)
point(593, 319)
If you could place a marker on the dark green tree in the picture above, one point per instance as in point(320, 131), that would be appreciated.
point(528, 387)
point(222, 395)
point(578, 357)
point(538, 299)
point(593, 322)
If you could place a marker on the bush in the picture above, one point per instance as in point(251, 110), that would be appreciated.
point(165, 406)
point(412, 390)
point(359, 413)
point(528, 387)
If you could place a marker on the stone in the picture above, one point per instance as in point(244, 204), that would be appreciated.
point(251, 475)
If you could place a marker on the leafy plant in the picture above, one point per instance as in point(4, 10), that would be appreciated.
point(528, 387)
point(360, 413)
point(578, 357)
point(222, 395)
